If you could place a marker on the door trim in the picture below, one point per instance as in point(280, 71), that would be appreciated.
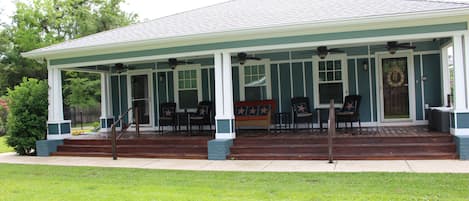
point(150, 95)
point(379, 83)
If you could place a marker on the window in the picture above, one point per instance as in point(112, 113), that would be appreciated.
point(255, 83)
point(187, 89)
point(330, 80)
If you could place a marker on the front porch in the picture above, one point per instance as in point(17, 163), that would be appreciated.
point(391, 143)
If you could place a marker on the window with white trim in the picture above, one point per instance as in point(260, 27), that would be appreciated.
point(255, 82)
point(187, 89)
point(330, 80)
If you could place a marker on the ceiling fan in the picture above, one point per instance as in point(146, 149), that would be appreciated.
point(322, 51)
point(173, 62)
point(394, 46)
point(243, 57)
point(120, 67)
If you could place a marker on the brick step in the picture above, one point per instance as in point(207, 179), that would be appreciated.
point(342, 140)
point(408, 156)
point(135, 148)
point(347, 148)
point(134, 155)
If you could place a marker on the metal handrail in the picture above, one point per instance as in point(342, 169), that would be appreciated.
point(331, 130)
point(114, 136)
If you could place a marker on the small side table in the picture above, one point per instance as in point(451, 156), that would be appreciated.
point(323, 116)
point(182, 119)
point(283, 120)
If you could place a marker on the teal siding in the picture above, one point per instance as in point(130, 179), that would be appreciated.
point(418, 89)
point(170, 86)
point(432, 86)
point(364, 89)
point(123, 96)
point(373, 91)
point(276, 56)
point(235, 75)
point(115, 96)
point(285, 87)
point(162, 94)
point(274, 81)
point(205, 83)
point(298, 84)
point(155, 99)
point(351, 77)
point(309, 85)
point(269, 41)
point(212, 85)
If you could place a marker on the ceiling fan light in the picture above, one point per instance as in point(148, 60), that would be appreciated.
point(322, 55)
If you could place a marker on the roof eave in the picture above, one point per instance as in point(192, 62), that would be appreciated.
point(333, 23)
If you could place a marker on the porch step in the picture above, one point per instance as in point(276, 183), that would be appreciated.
point(134, 155)
point(344, 148)
point(159, 147)
point(306, 156)
point(135, 148)
point(348, 148)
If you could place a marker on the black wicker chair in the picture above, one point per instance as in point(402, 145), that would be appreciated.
point(203, 115)
point(167, 115)
point(350, 111)
point(301, 111)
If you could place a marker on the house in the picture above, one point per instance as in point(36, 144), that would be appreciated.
point(273, 49)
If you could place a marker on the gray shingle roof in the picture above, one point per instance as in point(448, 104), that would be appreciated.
point(240, 15)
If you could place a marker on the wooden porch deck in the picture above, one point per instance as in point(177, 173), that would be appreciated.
point(414, 142)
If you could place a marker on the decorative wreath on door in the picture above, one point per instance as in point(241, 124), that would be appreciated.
point(395, 77)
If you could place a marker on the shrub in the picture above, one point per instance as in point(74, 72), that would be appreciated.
point(26, 122)
point(3, 120)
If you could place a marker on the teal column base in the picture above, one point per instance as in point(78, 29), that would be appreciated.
point(459, 123)
point(218, 149)
point(225, 129)
point(59, 129)
point(106, 123)
point(46, 147)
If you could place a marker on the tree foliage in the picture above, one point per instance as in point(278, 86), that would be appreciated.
point(27, 115)
point(41, 23)
point(81, 90)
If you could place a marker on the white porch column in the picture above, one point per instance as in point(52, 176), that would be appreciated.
point(460, 116)
point(106, 118)
point(225, 128)
point(57, 127)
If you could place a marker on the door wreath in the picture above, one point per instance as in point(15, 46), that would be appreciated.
point(395, 77)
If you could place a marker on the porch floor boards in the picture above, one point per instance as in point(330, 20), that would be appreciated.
point(384, 143)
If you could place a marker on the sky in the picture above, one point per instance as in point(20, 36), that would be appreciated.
point(146, 9)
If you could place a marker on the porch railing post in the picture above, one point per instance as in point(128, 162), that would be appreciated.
point(331, 130)
point(114, 142)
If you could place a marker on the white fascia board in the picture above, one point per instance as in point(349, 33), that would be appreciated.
point(257, 32)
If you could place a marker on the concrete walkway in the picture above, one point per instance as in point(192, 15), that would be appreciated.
point(420, 166)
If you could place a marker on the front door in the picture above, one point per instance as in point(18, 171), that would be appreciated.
point(395, 88)
point(140, 98)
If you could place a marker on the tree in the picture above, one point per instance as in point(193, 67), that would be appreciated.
point(27, 115)
point(81, 91)
point(42, 23)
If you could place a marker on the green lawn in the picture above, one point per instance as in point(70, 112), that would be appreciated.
point(28, 182)
point(3, 145)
